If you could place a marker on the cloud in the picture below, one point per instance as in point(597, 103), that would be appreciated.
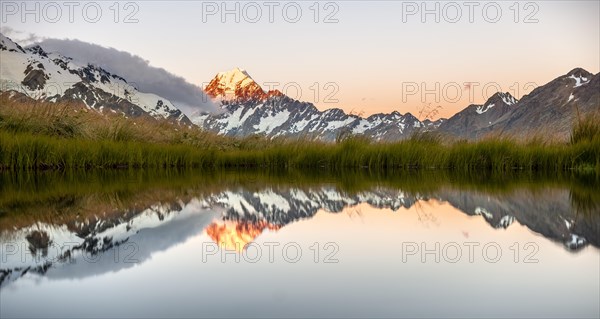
point(17, 36)
point(186, 96)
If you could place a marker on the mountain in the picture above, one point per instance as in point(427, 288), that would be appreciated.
point(469, 122)
point(248, 109)
point(237, 85)
point(549, 110)
point(38, 74)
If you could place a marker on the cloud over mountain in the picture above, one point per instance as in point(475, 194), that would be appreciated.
point(188, 97)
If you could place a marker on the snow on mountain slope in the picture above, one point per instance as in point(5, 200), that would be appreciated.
point(579, 80)
point(237, 85)
point(551, 110)
point(468, 122)
point(53, 77)
point(32, 72)
point(248, 109)
point(7, 44)
point(233, 79)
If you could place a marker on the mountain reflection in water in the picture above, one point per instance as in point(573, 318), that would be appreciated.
point(62, 221)
point(236, 236)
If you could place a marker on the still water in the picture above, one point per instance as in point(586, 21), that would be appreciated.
point(248, 244)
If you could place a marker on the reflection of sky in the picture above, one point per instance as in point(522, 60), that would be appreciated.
point(140, 246)
point(369, 280)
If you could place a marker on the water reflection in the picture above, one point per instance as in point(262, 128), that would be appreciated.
point(237, 235)
point(98, 245)
point(547, 212)
point(77, 227)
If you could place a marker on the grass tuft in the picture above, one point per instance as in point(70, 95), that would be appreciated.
point(586, 129)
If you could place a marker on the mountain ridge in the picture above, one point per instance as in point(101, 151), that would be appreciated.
point(247, 109)
point(549, 110)
point(41, 75)
point(259, 113)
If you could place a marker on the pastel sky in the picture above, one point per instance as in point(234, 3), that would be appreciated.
point(374, 57)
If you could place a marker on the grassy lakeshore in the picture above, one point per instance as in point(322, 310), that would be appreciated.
point(38, 135)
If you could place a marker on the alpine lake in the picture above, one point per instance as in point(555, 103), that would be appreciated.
point(190, 243)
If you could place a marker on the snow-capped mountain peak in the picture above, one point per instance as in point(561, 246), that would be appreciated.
point(502, 98)
point(499, 98)
point(507, 98)
point(231, 79)
point(235, 84)
point(7, 44)
point(580, 76)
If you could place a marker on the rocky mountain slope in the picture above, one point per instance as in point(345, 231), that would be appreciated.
point(549, 110)
point(50, 76)
point(470, 122)
point(552, 109)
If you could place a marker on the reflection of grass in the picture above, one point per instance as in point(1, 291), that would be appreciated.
point(585, 197)
point(61, 196)
point(585, 201)
point(58, 197)
point(37, 135)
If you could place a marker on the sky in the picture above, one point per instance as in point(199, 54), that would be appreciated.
point(363, 57)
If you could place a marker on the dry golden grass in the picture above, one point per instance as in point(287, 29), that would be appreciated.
point(74, 120)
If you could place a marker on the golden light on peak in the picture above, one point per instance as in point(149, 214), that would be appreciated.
point(237, 235)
